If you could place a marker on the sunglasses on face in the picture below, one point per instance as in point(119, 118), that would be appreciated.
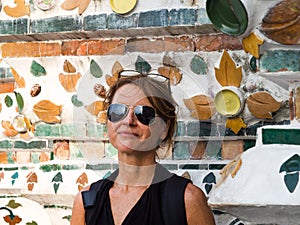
point(144, 114)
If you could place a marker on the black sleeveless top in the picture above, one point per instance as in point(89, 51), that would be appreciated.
point(162, 203)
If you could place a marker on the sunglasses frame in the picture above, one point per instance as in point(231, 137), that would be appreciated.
point(139, 74)
point(127, 108)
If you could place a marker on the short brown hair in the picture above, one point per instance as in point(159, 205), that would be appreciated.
point(158, 94)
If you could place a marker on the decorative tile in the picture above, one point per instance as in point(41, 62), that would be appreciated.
point(181, 150)
point(157, 18)
point(230, 149)
point(94, 22)
point(281, 136)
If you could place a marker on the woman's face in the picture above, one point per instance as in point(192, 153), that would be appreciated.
point(129, 134)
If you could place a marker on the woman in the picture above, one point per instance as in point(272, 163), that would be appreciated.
point(141, 117)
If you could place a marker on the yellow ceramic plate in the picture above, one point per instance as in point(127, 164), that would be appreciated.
point(122, 6)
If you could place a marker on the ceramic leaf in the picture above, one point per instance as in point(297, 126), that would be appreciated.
point(116, 69)
point(235, 124)
point(21, 9)
point(99, 90)
point(69, 81)
point(37, 69)
point(282, 22)
point(95, 69)
point(68, 67)
point(73, 4)
point(13, 204)
point(82, 181)
point(75, 101)
point(262, 105)
point(291, 167)
point(198, 65)
point(228, 74)
point(168, 61)
point(95, 107)
point(8, 101)
point(47, 111)
point(251, 44)
point(200, 106)
point(142, 66)
point(172, 73)
point(20, 102)
point(9, 130)
point(20, 80)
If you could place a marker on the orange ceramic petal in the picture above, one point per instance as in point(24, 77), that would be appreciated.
point(235, 124)
point(69, 81)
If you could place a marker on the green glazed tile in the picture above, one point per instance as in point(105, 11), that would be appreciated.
point(21, 144)
point(37, 144)
point(181, 150)
point(281, 136)
point(5, 144)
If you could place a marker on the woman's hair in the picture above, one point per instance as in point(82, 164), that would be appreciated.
point(159, 95)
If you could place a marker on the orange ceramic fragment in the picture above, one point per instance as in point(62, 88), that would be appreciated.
point(228, 74)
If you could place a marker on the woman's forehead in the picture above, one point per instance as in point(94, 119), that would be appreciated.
point(130, 94)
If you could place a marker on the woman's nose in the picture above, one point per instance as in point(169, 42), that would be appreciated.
point(130, 117)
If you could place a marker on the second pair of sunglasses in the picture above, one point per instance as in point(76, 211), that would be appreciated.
point(145, 114)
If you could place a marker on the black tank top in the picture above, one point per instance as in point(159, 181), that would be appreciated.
point(153, 208)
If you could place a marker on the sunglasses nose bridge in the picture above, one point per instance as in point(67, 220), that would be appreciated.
point(129, 114)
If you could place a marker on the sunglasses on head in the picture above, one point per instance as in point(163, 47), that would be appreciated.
point(133, 73)
point(117, 112)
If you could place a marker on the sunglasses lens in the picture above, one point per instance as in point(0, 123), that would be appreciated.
point(116, 112)
point(145, 114)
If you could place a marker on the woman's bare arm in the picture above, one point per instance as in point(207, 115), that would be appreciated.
point(78, 212)
point(198, 211)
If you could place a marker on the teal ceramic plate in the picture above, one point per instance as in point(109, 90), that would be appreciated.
point(229, 16)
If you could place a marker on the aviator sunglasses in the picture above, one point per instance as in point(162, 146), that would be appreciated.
point(144, 114)
point(156, 76)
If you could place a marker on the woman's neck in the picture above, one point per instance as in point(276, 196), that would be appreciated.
point(135, 175)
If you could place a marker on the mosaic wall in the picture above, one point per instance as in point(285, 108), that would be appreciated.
point(58, 58)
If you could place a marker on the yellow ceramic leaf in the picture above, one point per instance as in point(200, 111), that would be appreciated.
point(251, 44)
point(200, 106)
point(95, 107)
point(68, 67)
point(262, 105)
point(172, 73)
point(228, 74)
point(48, 111)
point(19, 80)
point(235, 124)
point(69, 81)
point(19, 10)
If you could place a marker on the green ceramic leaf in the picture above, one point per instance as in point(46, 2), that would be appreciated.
point(95, 69)
point(209, 178)
point(76, 102)
point(37, 69)
point(198, 65)
point(57, 178)
point(8, 101)
point(291, 165)
point(20, 102)
point(13, 204)
point(32, 223)
point(56, 186)
point(142, 65)
point(291, 181)
point(229, 16)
